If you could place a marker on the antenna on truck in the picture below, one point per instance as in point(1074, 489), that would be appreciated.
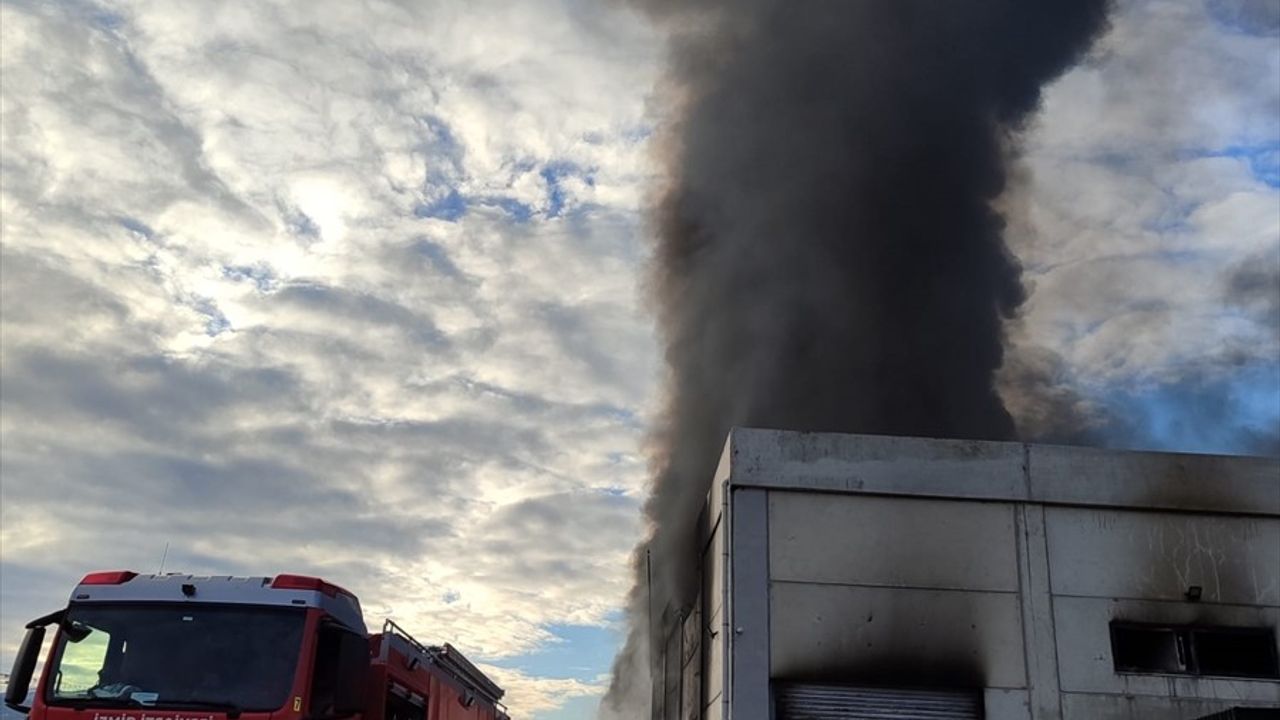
point(164, 557)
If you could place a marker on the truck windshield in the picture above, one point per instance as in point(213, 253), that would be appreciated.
point(187, 656)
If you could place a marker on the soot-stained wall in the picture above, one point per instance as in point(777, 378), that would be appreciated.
point(993, 567)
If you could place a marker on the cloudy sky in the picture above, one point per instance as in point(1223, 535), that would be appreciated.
point(357, 289)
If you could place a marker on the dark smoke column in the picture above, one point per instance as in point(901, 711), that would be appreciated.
point(828, 257)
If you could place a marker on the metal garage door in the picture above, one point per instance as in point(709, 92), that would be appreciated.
point(798, 701)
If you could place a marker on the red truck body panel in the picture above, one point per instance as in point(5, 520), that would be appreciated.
point(400, 663)
point(405, 679)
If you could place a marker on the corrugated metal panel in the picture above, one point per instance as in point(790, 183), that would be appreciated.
point(800, 701)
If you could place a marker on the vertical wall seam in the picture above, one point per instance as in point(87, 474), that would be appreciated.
point(1024, 598)
point(768, 598)
point(726, 627)
point(1053, 614)
point(1035, 505)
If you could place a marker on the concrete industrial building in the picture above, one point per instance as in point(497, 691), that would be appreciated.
point(853, 576)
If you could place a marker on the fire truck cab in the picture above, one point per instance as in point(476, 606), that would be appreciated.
point(289, 647)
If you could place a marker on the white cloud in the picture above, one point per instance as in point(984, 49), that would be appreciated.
point(535, 694)
point(227, 324)
point(1143, 194)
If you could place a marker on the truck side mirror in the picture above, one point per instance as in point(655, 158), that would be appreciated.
point(24, 666)
point(353, 676)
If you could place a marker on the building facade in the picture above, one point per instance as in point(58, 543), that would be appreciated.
point(853, 576)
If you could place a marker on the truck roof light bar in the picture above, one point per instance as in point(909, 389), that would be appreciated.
point(111, 577)
point(306, 582)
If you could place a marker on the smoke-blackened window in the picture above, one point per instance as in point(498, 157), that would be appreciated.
point(1231, 651)
point(1193, 650)
point(1148, 649)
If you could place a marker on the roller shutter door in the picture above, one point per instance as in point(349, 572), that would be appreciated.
point(799, 701)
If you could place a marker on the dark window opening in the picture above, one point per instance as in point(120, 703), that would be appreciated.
point(341, 666)
point(1190, 650)
point(325, 685)
point(1245, 713)
point(405, 705)
point(1240, 653)
point(1148, 649)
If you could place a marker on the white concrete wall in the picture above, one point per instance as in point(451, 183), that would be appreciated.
point(1084, 648)
point(891, 556)
point(1136, 566)
point(715, 624)
point(886, 588)
point(1158, 555)
point(877, 584)
point(892, 542)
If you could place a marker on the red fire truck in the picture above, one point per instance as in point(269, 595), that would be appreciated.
point(289, 647)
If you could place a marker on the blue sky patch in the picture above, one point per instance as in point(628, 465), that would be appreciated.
point(1260, 18)
point(1263, 159)
point(137, 226)
point(516, 209)
point(216, 323)
point(441, 140)
point(1234, 414)
point(105, 19)
point(96, 15)
point(300, 225)
point(553, 173)
point(1265, 164)
point(262, 277)
point(443, 154)
point(584, 652)
point(451, 207)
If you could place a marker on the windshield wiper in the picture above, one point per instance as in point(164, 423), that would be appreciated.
point(104, 701)
point(231, 709)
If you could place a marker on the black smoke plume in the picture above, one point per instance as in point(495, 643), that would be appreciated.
point(828, 256)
